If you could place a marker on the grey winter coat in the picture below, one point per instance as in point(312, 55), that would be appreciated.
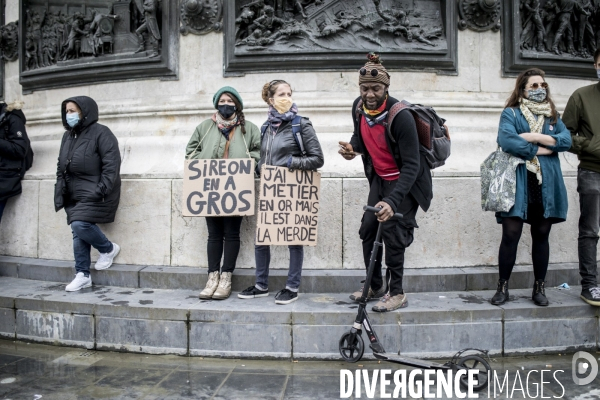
point(281, 149)
point(93, 181)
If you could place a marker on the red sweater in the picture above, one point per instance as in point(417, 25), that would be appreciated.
point(383, 160)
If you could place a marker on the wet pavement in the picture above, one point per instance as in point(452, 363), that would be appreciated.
point(32, 371)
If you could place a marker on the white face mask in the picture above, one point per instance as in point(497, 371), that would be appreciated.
point(598, 72)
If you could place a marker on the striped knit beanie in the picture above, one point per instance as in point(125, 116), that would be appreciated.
point(367, 73)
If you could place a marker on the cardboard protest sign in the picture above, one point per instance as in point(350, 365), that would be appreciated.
point(288, 207)
point(218, 188)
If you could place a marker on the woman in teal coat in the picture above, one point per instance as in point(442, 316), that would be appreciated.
point(531, 130)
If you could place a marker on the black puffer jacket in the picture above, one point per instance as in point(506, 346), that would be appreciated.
point(93, 182)
point(13, 149)
point(277, 149)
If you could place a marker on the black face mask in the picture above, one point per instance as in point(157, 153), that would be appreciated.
point(226, 110)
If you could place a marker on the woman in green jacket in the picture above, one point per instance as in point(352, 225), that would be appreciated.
point(226, 134)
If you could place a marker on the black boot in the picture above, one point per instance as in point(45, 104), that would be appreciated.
point(501, 295)
point(539, 294)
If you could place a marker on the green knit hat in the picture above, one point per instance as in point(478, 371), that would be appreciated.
point(229, 90)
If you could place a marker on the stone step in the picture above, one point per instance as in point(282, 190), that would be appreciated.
point(167, 321)
point(313, 281)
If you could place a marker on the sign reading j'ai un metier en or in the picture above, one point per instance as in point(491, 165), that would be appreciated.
point(288, 208)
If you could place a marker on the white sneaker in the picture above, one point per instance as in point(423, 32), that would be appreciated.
point(80, 282)
point(106, 259)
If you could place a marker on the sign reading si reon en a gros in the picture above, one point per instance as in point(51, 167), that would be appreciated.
point(288, 207)
point(218, 188)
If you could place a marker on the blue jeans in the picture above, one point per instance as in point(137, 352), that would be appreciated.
point(262, 255)
point(2, 205)
point(588, 187)
point(86, 235)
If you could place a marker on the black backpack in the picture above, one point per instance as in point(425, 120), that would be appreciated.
point(433, 135)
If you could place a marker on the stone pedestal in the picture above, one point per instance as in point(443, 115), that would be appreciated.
point(153, 120)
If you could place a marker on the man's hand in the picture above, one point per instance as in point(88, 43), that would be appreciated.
point(542, 151)
point(386, 211)
point(346, 150)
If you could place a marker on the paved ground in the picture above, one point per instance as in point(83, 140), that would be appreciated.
point(31, 371)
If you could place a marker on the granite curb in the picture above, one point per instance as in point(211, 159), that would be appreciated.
point(167, 321)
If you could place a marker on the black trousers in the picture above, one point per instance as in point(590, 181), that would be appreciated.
point(223, 241)
point(397, 236)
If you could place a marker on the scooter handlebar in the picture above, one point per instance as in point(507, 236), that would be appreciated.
point(376, 210)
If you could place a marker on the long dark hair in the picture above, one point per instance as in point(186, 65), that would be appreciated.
point(238, 112)
point(518, 93)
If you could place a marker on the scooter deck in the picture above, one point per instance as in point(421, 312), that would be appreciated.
point(412, 362)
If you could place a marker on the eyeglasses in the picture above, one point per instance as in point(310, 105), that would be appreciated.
point(536, 86)
point(363, 71)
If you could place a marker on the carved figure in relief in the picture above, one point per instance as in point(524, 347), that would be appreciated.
point(533, 25)
point(75, 35)
point(95, 31)
point(34, 30)
point(549, 12)
point(566, 8)
point(149, 25)
point(256, 38)
point(250, 12)
point(53, 37)
point(585, 27)
point(346, 19)
point(267, 22)
point(396, 21)
point(9, 36)
point(301, 4)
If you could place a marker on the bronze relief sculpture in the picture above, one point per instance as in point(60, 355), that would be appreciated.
point(558, 36)
point(320, 34)
point(99, 39)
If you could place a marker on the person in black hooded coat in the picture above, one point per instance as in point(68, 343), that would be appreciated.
point(88, 185)
point(14, 145)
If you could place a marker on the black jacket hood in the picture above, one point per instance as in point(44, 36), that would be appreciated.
point(89, 111)
point(16, 112)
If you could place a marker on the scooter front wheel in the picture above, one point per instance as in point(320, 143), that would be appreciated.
point(352, 346)
point(478, 363)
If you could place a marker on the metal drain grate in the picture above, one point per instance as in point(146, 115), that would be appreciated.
point(88, 354)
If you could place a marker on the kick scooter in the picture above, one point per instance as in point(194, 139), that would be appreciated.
point(352, 346)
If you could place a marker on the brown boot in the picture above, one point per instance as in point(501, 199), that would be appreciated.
point(391, 303)
point(371, 296)
point(224, 289)
point(211, 285)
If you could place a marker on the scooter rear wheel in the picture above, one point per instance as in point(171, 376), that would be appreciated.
point(474, 361)
point(352, 350)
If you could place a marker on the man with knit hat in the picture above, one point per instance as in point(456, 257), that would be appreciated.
point(399, 179)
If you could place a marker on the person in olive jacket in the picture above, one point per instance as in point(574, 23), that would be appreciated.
point(582, 117)
point(279, 148)
point(88, 185)
point(226, 134)
point(14, 147)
